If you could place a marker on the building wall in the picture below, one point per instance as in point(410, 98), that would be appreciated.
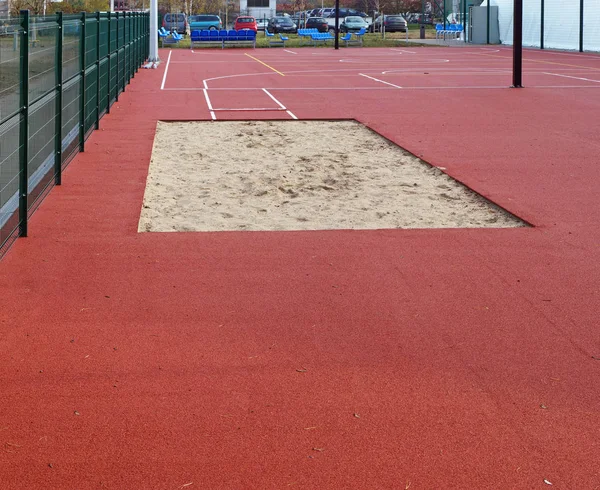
point(3, 8)
point(258, 12)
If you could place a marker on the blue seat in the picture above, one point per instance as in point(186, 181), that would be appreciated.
point(214, 35)
point(439, 31)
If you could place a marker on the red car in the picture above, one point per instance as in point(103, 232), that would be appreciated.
point(245, 23)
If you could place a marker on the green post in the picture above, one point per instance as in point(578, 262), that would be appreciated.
point(82, 85)
point(136, 23)
point(125, 57)
point(108, 67)
point(97, 70)
point(58, 102)
point(117, 81)
point(24, 123)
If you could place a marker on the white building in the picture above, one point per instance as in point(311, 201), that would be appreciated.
point(258, 8)
point(561, 23)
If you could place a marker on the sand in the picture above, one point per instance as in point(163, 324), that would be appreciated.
point(299, 175)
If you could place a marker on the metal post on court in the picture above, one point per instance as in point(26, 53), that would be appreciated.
point(337, 24)
point(487, 11)
point(542, 24)
point(58, 102)
point(24, 123)
point(518, 44)
point(581, 2)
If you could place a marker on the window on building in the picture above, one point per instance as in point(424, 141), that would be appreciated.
point(258, 3)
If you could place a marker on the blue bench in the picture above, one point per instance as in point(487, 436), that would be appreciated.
point(302, 33)
point(167, 37)
point(321, 37)
point(355, 39)
point(276, 41)
point(223, 37)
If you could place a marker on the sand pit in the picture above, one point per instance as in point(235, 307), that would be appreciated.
point(299, 175)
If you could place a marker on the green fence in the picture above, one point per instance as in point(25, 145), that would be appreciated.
point(58, 76)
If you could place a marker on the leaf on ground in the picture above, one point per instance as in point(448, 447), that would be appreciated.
point(357, 415)
point(309, 428)
point(547, 482)
point(302, 370)
point(320, 449)
point(543, 406)
point(76, 412)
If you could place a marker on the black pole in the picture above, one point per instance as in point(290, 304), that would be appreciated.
point(518, 44)
point(337, 23)
point(487, 11)
point(542, 25)
point(581, 26)
point(444, 7)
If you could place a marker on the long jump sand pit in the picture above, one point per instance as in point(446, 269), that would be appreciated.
point(299, 175)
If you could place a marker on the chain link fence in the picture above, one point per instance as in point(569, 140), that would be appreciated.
point(58, 76)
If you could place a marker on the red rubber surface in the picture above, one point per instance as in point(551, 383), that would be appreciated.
point(330, 359)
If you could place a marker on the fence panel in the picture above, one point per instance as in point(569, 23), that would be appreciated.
point(58, 75)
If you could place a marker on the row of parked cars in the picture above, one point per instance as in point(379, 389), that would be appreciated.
point(285, 24)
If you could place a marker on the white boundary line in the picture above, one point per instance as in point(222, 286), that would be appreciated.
point(569, 76)
point(288, 51)
point(210, 108)
point(377, 80)
point(279, 104)
point(162, 87)
point(274, 99)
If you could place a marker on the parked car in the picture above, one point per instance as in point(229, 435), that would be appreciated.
point(391, 23)
point(200, 22)
point(353, 24)
point(325, 12)
point(347, 13)
point(261, 24)
point(318, 23)
point(245, 23)
point(175, 22)
point(281, 24)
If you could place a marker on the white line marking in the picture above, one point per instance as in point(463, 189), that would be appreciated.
point(569, 76)
point(403, 51)
point(162, 87)
point(249, 109)
point(290, 113)
point(288, 51)
point(377, 80)
point(276, 101)
point(210, 108)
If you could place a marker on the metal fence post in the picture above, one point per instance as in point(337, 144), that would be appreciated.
point(82, 85)
point(117, 81)
point(24, 123)
point(108, 67)
point(97, 125)
point(125, 57)
point(58, 102)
